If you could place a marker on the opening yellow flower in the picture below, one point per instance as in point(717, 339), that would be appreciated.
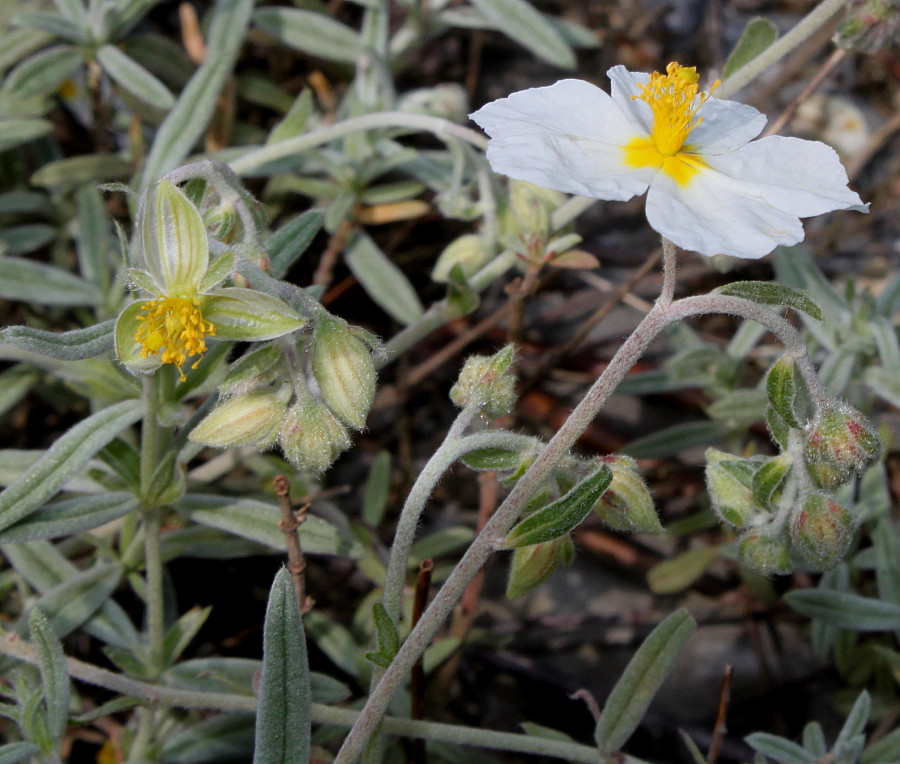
point(173, 328)
point(709, 188)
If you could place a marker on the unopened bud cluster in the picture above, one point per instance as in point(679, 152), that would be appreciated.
point(783, 505)
point(487, 382)
point(308, 417)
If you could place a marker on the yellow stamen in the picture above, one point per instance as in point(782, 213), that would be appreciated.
point(173, 328)
point(674, 99)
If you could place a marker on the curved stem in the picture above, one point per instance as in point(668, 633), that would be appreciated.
point(670, 266)
point(441, 128)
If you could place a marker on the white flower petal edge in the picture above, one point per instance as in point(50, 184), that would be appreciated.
point(750, 200)
point(726, 126)
point(567, 137)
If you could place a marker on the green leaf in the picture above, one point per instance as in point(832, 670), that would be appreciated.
point(64, 459)
point(642, 678)
point(54, 673)
point(771, 293)
point(844, 610)
point(295, 121)
point(15, 132)
point(388, 640)
point(334, 640)
point(694, 751)
point(782, 750)
point(16, 44)
point(195, 106)
point(12, 753)
point(758, 35)
point(310, 32)
point(226, 737)
point(44, 72)
point(561, 516)
point(768, 477)
point(378, 489)
point(856, 721)
point(385, 283)
point(57, 25)
point(258, 521)
point(290, 241)
point(520, 21)
point(94, 240)
point(80, 170)
point(781, 387)
point(76, 599)
point(66, 518)
point(679, 572)
point(15, 383)
point(284, 714)
point(675, 439)
point(494, 459)
point(75, 345)
point(34, 282)
point(132, 77)
point(180, 634)
point(886, 749)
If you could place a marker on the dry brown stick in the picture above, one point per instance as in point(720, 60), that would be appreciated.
point(417, 675)
point(718, 734)
point(557, 354)
point(289, 523)
point(833, 60)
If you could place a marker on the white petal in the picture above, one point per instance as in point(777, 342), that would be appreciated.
point(750, 200)
point(625, 86)
point(726, 126)
point(567, 137)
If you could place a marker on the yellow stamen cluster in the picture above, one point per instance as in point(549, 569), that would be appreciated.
point(674, 100)
point(173, 328)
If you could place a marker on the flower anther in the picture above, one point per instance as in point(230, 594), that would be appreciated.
point(173, 328)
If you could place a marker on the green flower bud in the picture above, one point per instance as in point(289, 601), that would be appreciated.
point(531, 207)
point(312, 437)
point(245, 420)
point(343, 369)
point(257, 368)
point(627, 505)
point(841, 442)
point(729, 482)
point(821, 531)
point(766, 551)
point(488, 382)
point(468, 252)
point(872, 26)
point(248, 315)
point(532, 564)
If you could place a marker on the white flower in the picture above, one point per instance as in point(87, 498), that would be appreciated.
point(710, 189)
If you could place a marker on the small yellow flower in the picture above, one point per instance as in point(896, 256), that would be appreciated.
point(173, 328)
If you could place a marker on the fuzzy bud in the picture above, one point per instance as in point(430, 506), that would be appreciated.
point(244, 420)
point(821, 531)
point(873, 25)
point(488, 382)
point(531, 207)
point(468, 252)
point(532, 564)
point(766, 551)
point(729, 482)
point(627, 505)
point(841, 442)
point(312, 437)
point(343, 368)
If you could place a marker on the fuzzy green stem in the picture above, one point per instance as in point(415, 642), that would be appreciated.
point(670, 266)
point(813, 21)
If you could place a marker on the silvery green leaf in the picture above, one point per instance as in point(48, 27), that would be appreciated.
point(779, 748)
point(73, 10)
point(191, 114)
point(42, 73)
point(296, 119)
point(770, 293)
point(885, 383)
point(12, 753)
point(20, 201)
point(15, 384)
point(674, 439)
point(289, 242)
point(814, 739)
point(162, 57)
point(77, 171)
point(885, 750)
point(21, 239)
point(69, 604)
point(642, 678)
point(19, 43)
point(385, 283)
point(259, 90)
point(180, 633)
point(845, 610)
point(53, 23)
point(54, 672)
point(35, 282)
point(837, 369)
point(14, 461)
point(94, 237)
point(74, 345)
point(737, 409)
point(130, 12)
point(258, 521)
point(310, 32)
point(561, 516)
point(284, 714)
point(15, 132)
point(856, 720)
point(758, 35)
point(235, 675)
point(64, 459)
point(885, 335)
point(226, 737)
point(520, 21)
point(72, 516)
point(42, 566)
point(134, 78)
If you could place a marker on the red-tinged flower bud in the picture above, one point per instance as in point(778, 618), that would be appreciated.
point(766, 551)
point(841, 442)
point(821, 531)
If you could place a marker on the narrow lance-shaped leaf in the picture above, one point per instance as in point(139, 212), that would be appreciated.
point(76, 599)
point(856, 719)
point(527, 26)
point(65, 458)
point(54, 673)
point(847, 611)
point(26, 280)
point(758, 35)
point(290, 241)
point(14, 132)
point(132, 77)
point(780, 749)
point(640, 681)
point(386, 635)
point(75, 345)
point(284, 714)
point(65, 518)
point(770, 293)
point(561, 516)
point(310, 32)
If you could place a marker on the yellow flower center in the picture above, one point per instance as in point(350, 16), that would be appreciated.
point(673, 98)
point(173, 328)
